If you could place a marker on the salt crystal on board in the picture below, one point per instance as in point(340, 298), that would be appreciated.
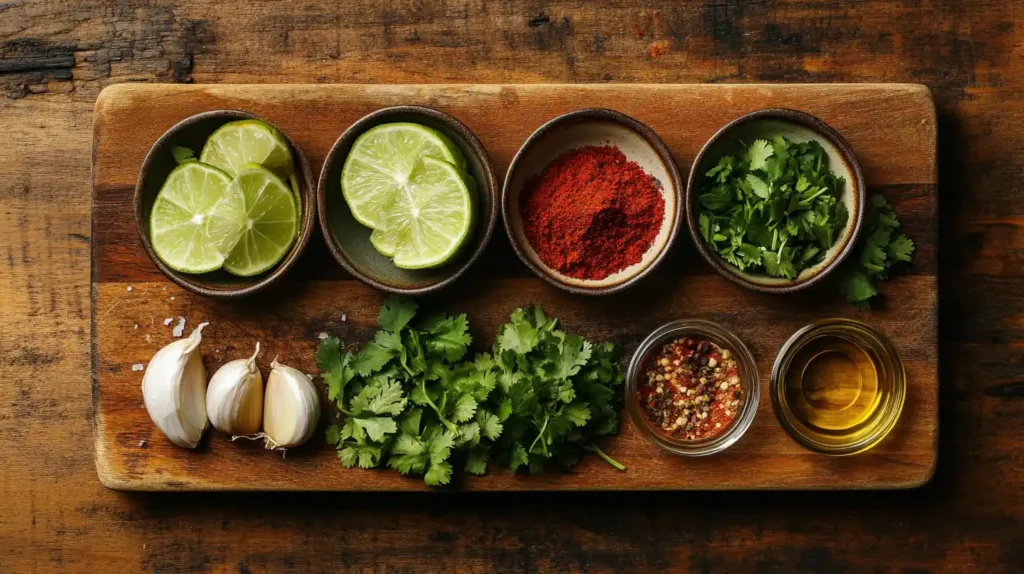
point(129, 288)
point(322, 336)
point(167, 321)
point(343, 317)
point(138, 367)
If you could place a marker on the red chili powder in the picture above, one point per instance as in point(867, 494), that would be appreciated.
point(591, 212)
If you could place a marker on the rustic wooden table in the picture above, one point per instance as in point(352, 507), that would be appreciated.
point(56, 55)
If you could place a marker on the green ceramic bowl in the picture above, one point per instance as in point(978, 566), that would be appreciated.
point(349, 240)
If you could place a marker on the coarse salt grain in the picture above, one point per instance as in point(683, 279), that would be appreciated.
point(142, 443)
point(136, 326)
point(179, 328)
point(343, 317)
point(129, 288)
point(322, 336)
point(138, 367)
point(167, 321)
point(172, 297)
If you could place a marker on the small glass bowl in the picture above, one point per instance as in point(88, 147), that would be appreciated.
point(887, 404)
point(694, 328)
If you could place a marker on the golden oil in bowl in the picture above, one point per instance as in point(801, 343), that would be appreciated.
point(838, 386)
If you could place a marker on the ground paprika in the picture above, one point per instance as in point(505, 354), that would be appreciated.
point(591, 212)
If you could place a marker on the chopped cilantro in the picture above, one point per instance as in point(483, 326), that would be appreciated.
point(775, 208)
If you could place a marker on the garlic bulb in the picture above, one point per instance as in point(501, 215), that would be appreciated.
point(174, 390)
point(234, 399)
point(291, 407)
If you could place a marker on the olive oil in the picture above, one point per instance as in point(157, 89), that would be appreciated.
point(838, 386)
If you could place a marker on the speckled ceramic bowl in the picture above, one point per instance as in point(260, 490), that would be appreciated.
point(796, 126)
point(192, 133)
point(349, 240)
point(593, 127)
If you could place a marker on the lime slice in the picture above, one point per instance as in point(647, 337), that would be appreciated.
point(381, 162)
point(383, 242)
point(194, 218)
point(430, 219)
point(270, 221)
point(248, 141)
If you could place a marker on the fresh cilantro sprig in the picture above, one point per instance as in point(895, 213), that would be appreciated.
point(775, 208)
point(410, 399)
point(880, 248)
point(557, 393)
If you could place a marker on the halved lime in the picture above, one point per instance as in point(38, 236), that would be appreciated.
point(248, 141)
point(194, 218)
point(383, 242)
point(431, 217)
point(381, 162)
point(270, 221)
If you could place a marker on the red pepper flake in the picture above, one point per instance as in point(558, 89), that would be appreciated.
point(691, 389)
point(592, 212)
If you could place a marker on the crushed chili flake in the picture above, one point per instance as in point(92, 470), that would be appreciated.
point(691, 389)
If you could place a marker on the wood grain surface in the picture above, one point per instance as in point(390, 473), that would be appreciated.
point(56, 56)
point(891, 129)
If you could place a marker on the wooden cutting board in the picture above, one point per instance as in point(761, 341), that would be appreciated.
point(892, 129)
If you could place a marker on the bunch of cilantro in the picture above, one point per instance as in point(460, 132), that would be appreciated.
point(411, 399)
point(775, 208)
point(880, 248)
point(557, 393)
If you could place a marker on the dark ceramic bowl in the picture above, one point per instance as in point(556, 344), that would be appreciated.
point(797, 126)
point(192, 133)
point(349, 240)
point(593, 127)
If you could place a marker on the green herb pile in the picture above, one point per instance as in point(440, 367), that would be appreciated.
point(412, 400)
point(880, 249)
point(774, 209)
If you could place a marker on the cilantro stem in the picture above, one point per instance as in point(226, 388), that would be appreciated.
point(594, 449)
point(540, 434)
point(444, 421)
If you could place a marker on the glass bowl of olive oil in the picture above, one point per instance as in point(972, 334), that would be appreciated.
point(838, 386)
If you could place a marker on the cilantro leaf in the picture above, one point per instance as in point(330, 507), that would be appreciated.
point(519, 335)
point(376, 427)
point(759, 151)
point(335, 368)
point(450, 337)
point(183, 154)
point(380, 399)
point(758, 186)
point(396, 313)
point(476, 459)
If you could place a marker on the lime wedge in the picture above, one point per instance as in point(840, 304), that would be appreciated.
point(269, 221)
point(430, 219)
point(194, 218)
point(381, 162)
point(248, 141)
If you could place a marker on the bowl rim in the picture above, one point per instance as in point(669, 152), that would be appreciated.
point(659, 147)
point(751, 378)
point(349, 136)
point(262, 280)
point(816, 125)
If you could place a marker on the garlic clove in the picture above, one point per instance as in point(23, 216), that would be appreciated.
point(174, 390)
point(234, 399)
point(291, 407)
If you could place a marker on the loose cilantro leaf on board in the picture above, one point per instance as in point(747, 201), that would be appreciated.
point(879, 249)
point(774, 207)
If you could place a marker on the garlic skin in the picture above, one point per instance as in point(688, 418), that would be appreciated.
point(291, 407)
point(174, 390)
point(234, 399)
